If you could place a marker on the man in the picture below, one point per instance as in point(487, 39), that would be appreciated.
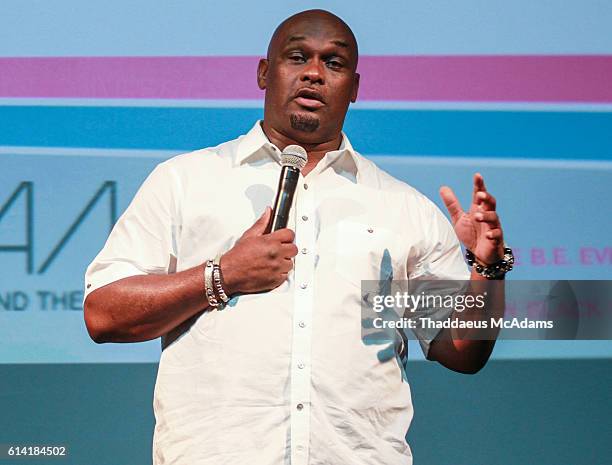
point(282, 375)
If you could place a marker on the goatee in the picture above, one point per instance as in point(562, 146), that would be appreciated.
point(304, 122)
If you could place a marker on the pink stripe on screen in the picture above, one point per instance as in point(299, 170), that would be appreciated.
point(384, 78)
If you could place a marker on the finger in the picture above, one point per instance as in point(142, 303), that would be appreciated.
point(489, 217)
point(289, 250)
point(479, 181)
point(286, 266)
point(486, 201)
point(495, 234)
point(259, 227)
point(284, 235)
point(478, 186)
point(452, 204)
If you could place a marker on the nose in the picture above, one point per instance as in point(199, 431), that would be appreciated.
point(313, 71)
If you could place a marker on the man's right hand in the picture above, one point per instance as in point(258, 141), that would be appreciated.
point(258, 261)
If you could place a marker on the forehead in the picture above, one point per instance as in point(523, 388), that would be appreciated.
point(324, 30)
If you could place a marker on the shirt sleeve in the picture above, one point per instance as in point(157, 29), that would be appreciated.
point(440, 259)
point(142, 241)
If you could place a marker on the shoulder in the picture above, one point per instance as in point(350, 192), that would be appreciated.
point(180, 174)
point(222, 154)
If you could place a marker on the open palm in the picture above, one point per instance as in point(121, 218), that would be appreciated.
point(479, 228)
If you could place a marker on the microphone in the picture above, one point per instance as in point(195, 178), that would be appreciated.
point(293, 160)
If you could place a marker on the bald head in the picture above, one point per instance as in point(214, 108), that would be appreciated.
point(310, 78)
point(315, 21)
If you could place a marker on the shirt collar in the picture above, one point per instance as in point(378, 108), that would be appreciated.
point(255, 142)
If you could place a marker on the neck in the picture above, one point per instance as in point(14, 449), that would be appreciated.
point(316, 150)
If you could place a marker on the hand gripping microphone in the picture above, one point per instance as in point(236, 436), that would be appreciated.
point(293, 160)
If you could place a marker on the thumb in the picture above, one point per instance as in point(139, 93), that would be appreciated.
point(452, 203)
point(260, 226)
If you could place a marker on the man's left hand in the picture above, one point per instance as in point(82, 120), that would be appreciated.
point(478, 229)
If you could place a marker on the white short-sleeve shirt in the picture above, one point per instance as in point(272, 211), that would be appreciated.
point(283, 376)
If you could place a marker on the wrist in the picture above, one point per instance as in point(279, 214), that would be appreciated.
point(491, 260)
point(496, 270)
point(229, 274)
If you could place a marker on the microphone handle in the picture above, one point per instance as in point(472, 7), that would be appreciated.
point(284, 197)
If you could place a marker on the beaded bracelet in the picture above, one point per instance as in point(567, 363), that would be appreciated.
point(218, 279)
point(208, 284)
point(494, 271)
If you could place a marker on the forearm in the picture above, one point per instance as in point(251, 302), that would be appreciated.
point(467, 350)
point(140, 308)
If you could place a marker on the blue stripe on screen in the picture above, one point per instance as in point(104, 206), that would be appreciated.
point(531, 134)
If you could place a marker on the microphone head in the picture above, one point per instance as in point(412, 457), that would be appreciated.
point(294, 156)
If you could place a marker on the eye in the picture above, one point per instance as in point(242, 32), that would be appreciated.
point(297, 57)
point(334, 64)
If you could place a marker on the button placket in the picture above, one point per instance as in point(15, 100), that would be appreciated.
point(302, 317)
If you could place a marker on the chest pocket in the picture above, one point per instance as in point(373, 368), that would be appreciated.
point(367, 252)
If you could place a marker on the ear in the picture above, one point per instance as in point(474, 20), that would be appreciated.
point(355, 90)
point(262, 71)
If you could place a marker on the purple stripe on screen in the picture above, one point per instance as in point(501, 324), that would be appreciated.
point(384, 78)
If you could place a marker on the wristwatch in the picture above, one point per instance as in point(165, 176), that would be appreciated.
point(496, 270)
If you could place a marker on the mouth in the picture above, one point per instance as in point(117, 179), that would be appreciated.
point(309, 99)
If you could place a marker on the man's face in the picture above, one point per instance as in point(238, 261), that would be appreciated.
point(309, 79)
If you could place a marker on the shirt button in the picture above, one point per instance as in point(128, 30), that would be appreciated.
point(304, 250)
point(299, 406)
point(300, 365)
point(305, 186)
point(299, 448)
point(301, 324)
point(303, 285)
point(304, 218)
